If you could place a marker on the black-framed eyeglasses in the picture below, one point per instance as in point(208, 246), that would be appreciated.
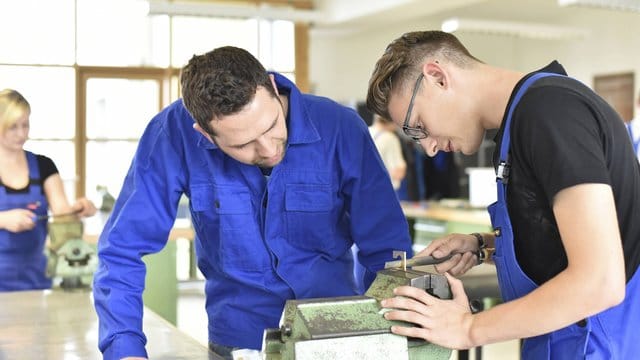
point(416, 133)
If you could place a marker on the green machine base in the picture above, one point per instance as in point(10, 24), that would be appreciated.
point(353, 327)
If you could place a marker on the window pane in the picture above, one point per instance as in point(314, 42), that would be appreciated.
point(277, 50)
point(198, 35)
point(107, 164)
point(51, 92)
point(120, 108)
point(63, 155)
point(290, 76)
point(37, 32)
point(120, 33)
point(266, 48)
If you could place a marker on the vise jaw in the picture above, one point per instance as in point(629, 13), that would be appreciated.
point(353, 327)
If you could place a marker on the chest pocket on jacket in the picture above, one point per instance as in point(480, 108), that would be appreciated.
point(228, 228)
point(310, 216)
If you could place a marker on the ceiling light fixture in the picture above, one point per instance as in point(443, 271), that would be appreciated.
point(513, 28)
point(184, 8)
point(620, 5)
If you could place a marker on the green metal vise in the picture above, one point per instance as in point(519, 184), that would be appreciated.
point(69, 256)
point(353, 327)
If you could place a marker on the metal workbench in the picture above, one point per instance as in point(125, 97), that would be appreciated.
point(54, 324)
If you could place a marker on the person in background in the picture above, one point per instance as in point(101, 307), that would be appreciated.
point(30, 186)
point(388, 144)
point(633, 128)
point(441, 176)
point(281, 184)
point(412, 153)
point(567, 237)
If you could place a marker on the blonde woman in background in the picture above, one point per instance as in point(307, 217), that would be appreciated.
point(30, 186)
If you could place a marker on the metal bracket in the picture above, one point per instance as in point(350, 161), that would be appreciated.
point(403, 258)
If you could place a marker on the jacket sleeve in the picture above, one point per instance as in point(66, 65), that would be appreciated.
point(139, 225)
point(378, 225)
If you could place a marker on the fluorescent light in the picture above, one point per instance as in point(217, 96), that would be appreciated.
point(450, 25)
point(513, 28)
point(164, 7)
point(622, 5)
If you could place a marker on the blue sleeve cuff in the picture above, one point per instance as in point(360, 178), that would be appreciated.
point(124, 346)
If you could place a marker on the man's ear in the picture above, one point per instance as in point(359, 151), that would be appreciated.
point(204, 133)
point(273, 82)
point(436, 73)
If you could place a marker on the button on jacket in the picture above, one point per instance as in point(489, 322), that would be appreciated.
point(259, 240)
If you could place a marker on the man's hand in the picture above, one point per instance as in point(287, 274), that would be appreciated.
point(443, 322)
point(463, 247)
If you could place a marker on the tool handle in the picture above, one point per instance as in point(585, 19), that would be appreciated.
point(417, 261)
point(47, 216)
point(427, 260)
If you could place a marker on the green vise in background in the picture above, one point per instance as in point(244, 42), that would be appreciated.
point(353, 327)
point(70, 257)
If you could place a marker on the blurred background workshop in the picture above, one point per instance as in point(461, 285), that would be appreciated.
point(95, 72)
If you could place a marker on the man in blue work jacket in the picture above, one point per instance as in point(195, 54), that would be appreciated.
point(281, 186)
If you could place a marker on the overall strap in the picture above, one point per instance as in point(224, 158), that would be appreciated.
point(32, 161)
point(504, 165)
point(34, 170)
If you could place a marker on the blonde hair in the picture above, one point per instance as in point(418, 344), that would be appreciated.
point(12, 106)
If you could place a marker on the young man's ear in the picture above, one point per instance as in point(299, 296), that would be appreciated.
point(436, 73)
point(203, 132)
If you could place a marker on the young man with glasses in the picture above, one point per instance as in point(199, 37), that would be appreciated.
point(566, 243)
point(281, 186)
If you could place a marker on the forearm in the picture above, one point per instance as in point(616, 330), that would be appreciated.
point(541, 311)
point(489, 239)
point(486, 247)
point(119, 307)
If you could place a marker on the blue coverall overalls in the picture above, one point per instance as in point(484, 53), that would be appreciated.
point(22, 260)
point(611, 334)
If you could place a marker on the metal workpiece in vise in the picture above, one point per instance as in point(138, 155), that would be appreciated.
point(70, 257)
point(353, 327)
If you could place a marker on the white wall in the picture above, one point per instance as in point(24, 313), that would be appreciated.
point(341, 62)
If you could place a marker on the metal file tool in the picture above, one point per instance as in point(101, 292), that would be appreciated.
point(55, 216)
point(404, 263)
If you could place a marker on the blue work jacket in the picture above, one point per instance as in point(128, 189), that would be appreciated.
point(259, 241)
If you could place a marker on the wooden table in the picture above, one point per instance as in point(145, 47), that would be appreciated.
point(54, 324)
point(435, 211)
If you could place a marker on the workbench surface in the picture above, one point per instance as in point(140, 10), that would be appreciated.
point(54, 324)
point(437, 211)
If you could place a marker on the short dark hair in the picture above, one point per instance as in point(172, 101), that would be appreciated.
point(402, 59)
point(221, 82)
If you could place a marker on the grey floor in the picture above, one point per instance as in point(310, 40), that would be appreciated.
point(193, 321)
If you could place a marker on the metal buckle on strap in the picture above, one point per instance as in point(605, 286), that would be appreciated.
point(503, 171)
